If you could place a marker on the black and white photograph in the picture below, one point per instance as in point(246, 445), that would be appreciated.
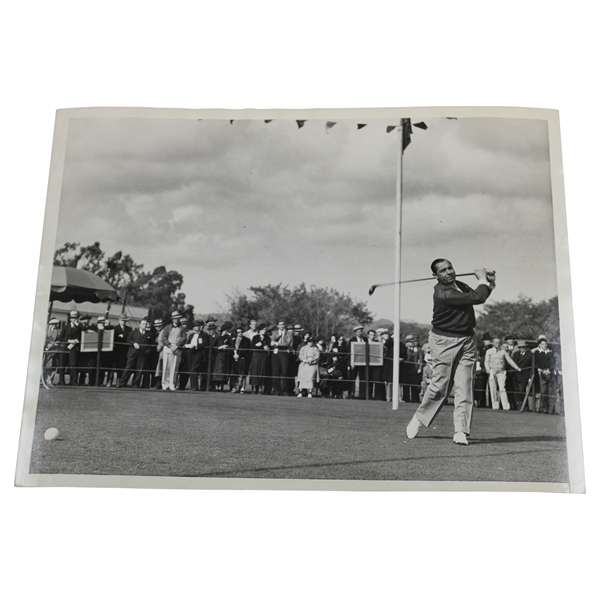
point(321, 299)
point(119, 162)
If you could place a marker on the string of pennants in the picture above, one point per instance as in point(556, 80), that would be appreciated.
point(405, 123)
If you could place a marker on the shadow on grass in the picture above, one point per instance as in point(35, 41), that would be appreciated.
point(238, 472)
point(540, 439)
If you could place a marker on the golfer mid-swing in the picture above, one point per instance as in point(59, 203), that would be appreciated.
point(453, 348)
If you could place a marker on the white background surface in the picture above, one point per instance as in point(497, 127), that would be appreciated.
point(97, 543)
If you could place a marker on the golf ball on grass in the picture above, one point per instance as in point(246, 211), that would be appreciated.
point(51, 434)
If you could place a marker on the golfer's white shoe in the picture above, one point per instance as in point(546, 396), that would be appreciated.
point(413, 427)
point(460, 439)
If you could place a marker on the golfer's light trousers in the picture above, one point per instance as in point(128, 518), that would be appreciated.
point(453, 360)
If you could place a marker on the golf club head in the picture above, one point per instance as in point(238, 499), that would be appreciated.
point(371, 290)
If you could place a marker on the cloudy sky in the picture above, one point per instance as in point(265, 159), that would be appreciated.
point(230, 206)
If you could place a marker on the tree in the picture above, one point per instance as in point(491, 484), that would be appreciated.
point(74, 255)
point(119, 270)
point(159, 290)
point(523, 318)
point(321, 311)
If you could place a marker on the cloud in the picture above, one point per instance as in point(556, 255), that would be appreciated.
point(470, 156)
point(255, 203)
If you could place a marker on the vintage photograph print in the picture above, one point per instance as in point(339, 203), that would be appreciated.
point(356, 299)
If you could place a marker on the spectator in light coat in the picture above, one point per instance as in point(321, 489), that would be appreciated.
point(496, 361)
point(172, 339)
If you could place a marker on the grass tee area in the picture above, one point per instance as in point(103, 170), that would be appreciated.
point(157, 433)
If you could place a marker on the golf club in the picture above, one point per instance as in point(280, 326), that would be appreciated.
point(371, 290)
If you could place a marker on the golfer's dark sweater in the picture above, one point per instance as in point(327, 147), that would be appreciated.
point(453, 312)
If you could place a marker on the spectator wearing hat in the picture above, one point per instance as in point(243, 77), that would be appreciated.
point(305, 335)
point(331, 379)
point(52, 333)
point(427, 372)
point(140, 342)
point(496, 361)
point(86, 363)
point(51, 349)
point(106, 357)
point(375, 373)
point(119, 355)
point(259, 346)
point(70, 339)
point(172, 339)
point(358, 373)
point(212, 333)
point(298, 332)
point(196, 344)
point(544, 362)
point(241, 361)
point(387, 342)
point(155, 356)
point(223, 345)
point(281, 341)
point(523, 358)
point(510, 372)
point(344, 364)
point(307, 374)
point(482, 376)
point(410, 371)
point(183, 368)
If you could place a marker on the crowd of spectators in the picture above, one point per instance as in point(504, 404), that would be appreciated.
point(287, 360)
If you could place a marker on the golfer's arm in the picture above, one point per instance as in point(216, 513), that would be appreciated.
point(453, 297)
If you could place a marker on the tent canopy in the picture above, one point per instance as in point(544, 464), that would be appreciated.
point(74, 284)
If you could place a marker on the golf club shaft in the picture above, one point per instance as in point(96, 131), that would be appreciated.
point(371, 290)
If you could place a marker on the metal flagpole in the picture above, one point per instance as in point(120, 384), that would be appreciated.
point(396, 330)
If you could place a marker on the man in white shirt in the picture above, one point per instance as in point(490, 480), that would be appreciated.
point(495, 364)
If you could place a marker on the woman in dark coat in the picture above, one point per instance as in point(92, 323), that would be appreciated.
point(242, 357)
point(387, 364)
point(259, 346)
point(223, 344)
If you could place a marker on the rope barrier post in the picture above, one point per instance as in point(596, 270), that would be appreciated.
point(534, 387)
point(209, 370)
point(100, 336)
point(528, 388)
point(367, 355)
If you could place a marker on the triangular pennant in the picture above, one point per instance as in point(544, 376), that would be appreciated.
point(390, 128)
point(420, 125)
point(361, 125)
point(268, 121)
point(329, 125)
point(300, 124)
point(406, 133)
point(231, 121)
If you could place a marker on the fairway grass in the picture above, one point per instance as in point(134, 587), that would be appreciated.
point(185, 434)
